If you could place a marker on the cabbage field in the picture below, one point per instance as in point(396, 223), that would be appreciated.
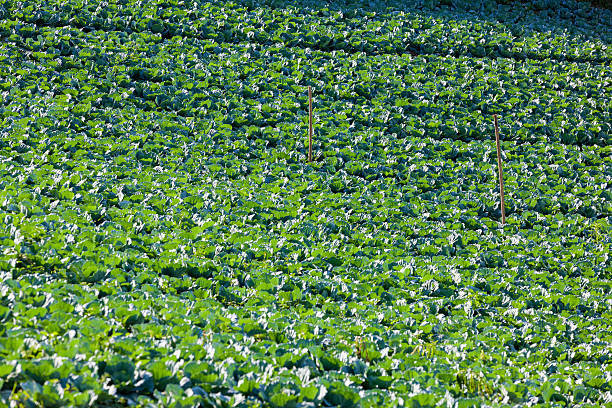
point(164, 241)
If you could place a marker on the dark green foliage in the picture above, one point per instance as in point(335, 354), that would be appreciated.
point(163, 241)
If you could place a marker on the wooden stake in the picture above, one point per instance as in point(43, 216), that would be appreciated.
point(309, 123)
point(500, 171)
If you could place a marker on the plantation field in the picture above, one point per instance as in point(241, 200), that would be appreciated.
point(164, 241)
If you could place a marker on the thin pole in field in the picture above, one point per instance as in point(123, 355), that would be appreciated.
point(309, 123)
point(500, 171)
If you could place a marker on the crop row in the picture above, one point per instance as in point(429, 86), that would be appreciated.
point(438, 97)
point(397, 32)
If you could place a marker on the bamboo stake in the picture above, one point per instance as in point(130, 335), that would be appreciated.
point(309, 123)
point(500, 171)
